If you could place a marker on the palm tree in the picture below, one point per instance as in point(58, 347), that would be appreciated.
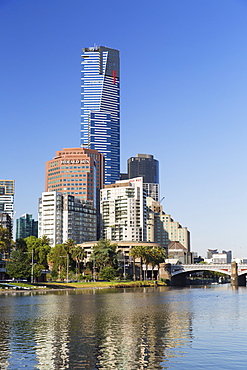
point(78, 255)
point(132, 253)
point(69, 245)
point(138, 251)
point(147, 257)
point(157, 255)
point(45, 240)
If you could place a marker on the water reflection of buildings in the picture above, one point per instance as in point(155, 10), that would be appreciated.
point(34, 332)
point(52, 334)
point(140, 329)
point(4, 343)
point(134, 333)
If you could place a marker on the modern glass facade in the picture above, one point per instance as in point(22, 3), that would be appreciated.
point(146, 166)
point(26, 226)
point(100, 106)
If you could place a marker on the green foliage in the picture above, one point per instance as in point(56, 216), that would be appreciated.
point(5, 240)
point(27, 251)
point(37, 269)
point(40, 248)
point(57, 257)
point(107, 273)
point(149, 255)
point(105, 254)
point(87, 277)
point(78, 254)
point(19, 266)
point(69, 245)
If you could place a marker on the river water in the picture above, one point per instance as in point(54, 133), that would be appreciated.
point(127, 329)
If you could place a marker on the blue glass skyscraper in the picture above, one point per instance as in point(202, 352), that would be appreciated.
point(100, 106)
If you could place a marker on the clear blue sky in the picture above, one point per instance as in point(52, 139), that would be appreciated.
point(183, 99)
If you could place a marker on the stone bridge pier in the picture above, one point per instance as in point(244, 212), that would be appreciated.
point(236, 279)
point(166, 274)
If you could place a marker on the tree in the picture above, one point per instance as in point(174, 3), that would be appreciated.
point(78, 255)
point(39, 248)
point(107, 273)
point(57, 258)
point(138, 251)
point(5, 240)
point(133, 254)
point(19, 265)
point(45, 240)
point(105, 254)
point(69, 245)
point(158, 255)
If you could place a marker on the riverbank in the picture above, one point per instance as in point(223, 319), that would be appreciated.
point(22, 287)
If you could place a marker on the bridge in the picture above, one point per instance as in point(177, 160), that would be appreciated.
point(177, 273)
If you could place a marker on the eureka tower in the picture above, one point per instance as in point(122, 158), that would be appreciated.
point(100, 106)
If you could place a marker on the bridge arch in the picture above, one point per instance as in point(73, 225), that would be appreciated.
point(178, 273)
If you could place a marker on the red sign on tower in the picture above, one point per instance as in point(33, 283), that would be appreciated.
point(114, 75)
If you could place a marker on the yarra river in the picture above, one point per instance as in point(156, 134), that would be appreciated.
point(127, 329)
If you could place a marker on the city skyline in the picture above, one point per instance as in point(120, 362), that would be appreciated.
point(183, 93)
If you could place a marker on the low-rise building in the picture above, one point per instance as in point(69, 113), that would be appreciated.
point(124, 248)
point(177, 252)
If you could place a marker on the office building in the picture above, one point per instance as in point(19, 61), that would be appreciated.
point(219, 258)
point(64, 217)
point(100, 106)
point(210, 253)
point(7, 191)
point(26, 226)
point(216, 257)
point(123, 210)
point(76, 171)
point(146, 166)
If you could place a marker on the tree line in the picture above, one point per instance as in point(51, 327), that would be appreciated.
point(28, 258)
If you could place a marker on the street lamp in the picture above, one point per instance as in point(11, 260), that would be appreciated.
point(124, 274)
point(31, 266)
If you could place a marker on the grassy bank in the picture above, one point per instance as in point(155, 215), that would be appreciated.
point(82, 285)
point(103, 284)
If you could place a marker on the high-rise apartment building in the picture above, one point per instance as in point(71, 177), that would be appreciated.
point(123, 210)
point(76, 171)
point(100, 106)
point(64, 217)
point(26, 226)
point(162, 229)
point(146, 166)
point(7, 191)
point(6, 221)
